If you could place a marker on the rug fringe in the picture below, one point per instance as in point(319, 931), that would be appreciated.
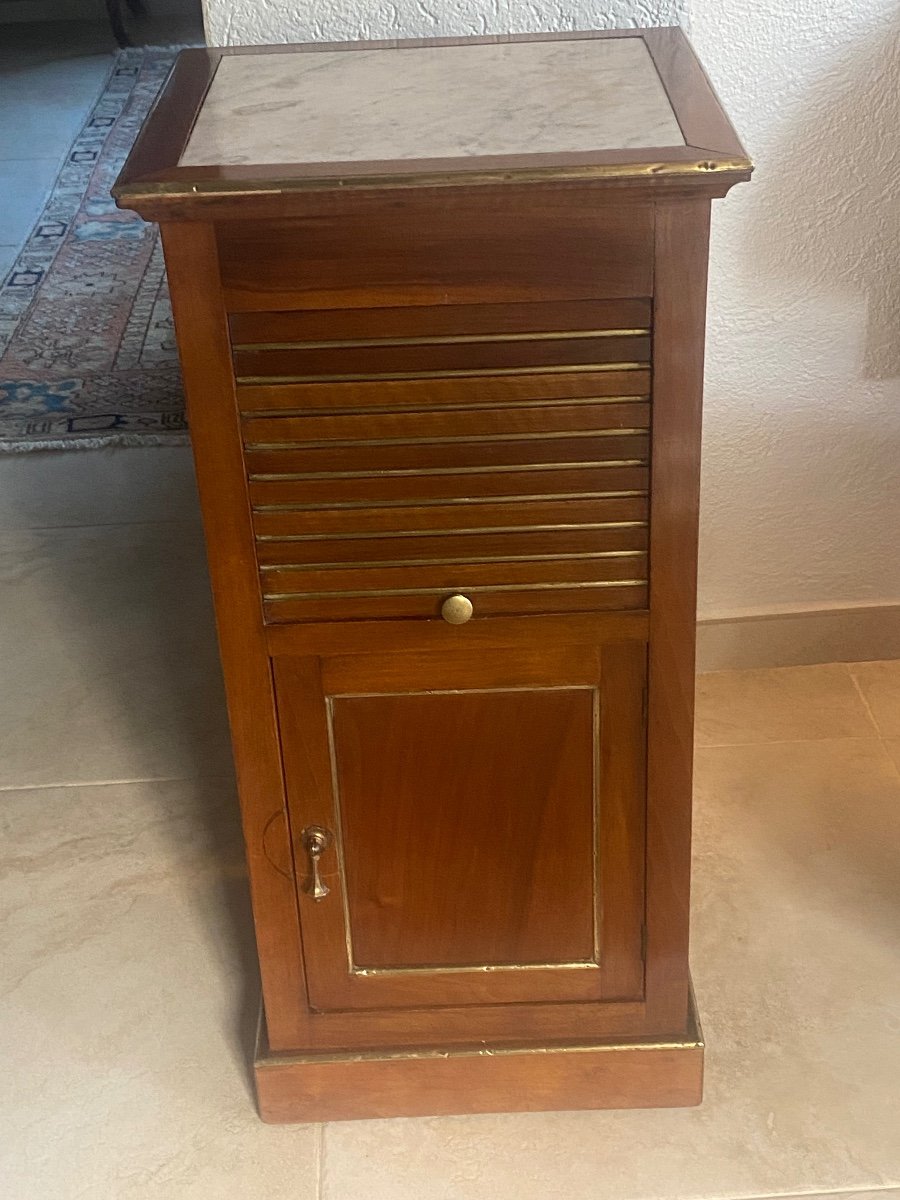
point(95, 443)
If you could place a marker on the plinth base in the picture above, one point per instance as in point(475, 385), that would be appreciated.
point(334, 1086)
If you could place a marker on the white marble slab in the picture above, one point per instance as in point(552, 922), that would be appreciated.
point(432, 102)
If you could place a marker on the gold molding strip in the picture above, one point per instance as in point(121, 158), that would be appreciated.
point(339, 828)
point(448, 500)
point(452, 562)
point(463, 373)
point(250, 414)
point(145, 191)
point(416, 472)
point(596, 889)
point(441, 340)
point(466, 439)
point(382, 593)
point(459, 532)
point(477, 969)
point(474, 691)
point(276, 1059)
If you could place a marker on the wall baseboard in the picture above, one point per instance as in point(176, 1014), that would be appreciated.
point(799, 637)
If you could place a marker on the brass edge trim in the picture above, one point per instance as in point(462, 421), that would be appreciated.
point(338, 830)
point(477, 969)
point(469, 691)
point(596, 890)
point(146, 191)
point(439, 340)
point(434, 472)
point(485, 372)
point(273, 1061)
point(346, 505)
point(460, 532)
point(385, 593)
point(327, 410)
point(575, 556)
point(336, 443)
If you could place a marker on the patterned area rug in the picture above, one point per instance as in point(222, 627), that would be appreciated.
point(87, 352)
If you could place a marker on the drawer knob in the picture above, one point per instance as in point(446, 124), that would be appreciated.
point(456, 610)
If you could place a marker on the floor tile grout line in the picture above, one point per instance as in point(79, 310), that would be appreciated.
point(86, 525)
point(86, 783)
point(225, 775)
point(20, 158)
point(819, 1192)
point(862, 697)
point(895, 762)
point(875, 736)
point(320, 1157)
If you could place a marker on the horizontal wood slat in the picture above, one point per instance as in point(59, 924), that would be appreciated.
point(435, 321)
point(406, 521)
point(413, 458)
point(431, 394)
point(508, 546)
point(287, 582)
point(325, 362)
point(490, 603)
point(329, 493)
point(269, 432)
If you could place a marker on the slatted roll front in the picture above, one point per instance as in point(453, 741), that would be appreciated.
point(398, 455)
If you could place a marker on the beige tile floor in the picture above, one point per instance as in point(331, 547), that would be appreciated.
point(127, 994)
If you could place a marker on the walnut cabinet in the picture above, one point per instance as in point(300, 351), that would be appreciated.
point(443, 359)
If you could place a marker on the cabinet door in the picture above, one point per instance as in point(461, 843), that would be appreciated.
point(467, 829)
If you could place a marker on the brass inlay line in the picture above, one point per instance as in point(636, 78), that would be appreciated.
point(442, 340)
point(410, 409)
point(462, 373)
point(596, 893)
point(430, 472)
point(446, 440)
point(466, 691)
point(275, 597)
point(338, 828)
point(478, 968)
point(474, 531)
point(452, 562)
point(447, 500)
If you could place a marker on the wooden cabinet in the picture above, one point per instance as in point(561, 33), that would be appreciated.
point(445, 410)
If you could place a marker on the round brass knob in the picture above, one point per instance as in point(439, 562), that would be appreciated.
point(456, 610)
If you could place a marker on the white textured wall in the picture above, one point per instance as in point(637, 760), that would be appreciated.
point(233, 22)
point(801, 483)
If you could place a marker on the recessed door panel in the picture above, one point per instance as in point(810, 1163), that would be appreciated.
point(468, 828)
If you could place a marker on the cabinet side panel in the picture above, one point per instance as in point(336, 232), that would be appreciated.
point(682, 237)
point(200, 320)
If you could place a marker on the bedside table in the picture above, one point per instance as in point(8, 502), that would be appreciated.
point(440, 307)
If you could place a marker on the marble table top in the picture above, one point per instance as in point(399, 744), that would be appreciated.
point(432, 102)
